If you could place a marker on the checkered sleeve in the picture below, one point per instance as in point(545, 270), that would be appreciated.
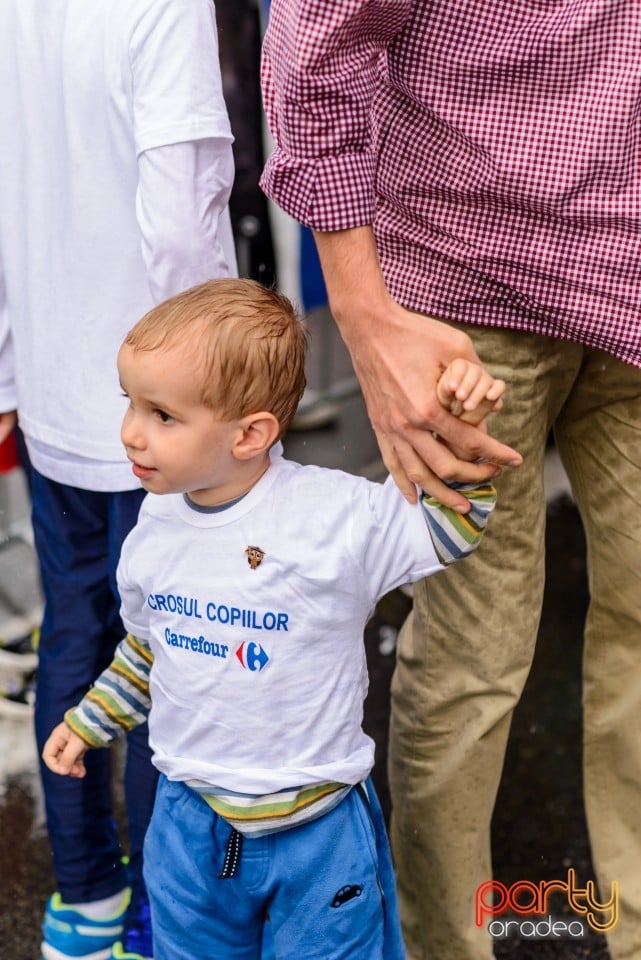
point(119, 700)
point(494, 148)
point(455, 535)
point(320, 68)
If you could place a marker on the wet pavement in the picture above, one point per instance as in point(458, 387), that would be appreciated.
point(539, 827)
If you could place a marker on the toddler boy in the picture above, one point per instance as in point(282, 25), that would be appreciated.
point(245, 589)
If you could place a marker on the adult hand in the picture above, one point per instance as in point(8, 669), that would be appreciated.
point(398, 357)
point(7, 423)
point(398, 367)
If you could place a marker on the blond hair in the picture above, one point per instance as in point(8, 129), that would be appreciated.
point(248, 341)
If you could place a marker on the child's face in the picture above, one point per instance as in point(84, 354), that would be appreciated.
point(175, 443)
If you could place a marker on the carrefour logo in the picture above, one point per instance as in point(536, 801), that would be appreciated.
point(252, 656)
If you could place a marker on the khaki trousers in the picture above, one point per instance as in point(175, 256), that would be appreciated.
point(466, 650)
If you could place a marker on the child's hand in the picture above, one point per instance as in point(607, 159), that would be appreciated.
point(64, 751)
point(470, 392)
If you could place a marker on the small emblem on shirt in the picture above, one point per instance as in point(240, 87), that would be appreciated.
point(254, 556)
point(252, 656)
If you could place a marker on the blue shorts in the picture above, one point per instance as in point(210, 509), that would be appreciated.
point(326, 888)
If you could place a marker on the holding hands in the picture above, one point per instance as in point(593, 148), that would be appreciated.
point(469, 392)
point(399, 357)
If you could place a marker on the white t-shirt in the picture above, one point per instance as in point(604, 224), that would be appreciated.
point(115, 172)
point(259, 671)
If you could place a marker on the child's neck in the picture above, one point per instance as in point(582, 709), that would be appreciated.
point(236, 488)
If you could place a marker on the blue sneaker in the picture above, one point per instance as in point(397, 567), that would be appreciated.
point(70, 935)
point(136, 942)
point(118, 952)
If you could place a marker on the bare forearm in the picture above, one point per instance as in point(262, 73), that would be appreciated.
point(398, 357)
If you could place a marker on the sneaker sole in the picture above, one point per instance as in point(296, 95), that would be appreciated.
point(117, 953)
point(48, 952)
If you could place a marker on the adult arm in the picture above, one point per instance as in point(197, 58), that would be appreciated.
point(183, 144)
point(7, 423)
point(181, 206)
point(7, 385)
point(398, 357)
point(320, 72)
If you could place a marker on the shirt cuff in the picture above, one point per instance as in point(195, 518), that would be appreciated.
point(94, 734)
point(333, 193)
point(456, 535)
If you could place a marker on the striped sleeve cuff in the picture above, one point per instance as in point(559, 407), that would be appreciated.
point(456, 535)
point(119, 700)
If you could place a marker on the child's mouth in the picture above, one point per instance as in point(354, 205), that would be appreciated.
point(142, 472)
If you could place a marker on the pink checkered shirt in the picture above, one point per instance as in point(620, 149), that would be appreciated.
point(493, 144)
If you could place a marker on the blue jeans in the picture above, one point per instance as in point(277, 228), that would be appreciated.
point(78, 536)
point(326, 887)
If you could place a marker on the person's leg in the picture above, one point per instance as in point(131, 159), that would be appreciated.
point(463, 659)
point(140, 777)
point(79, 633)
point(140, 788)
point(78, 537)
point(332, 894)
point(195, 914)
point(599, 439)
point(325, 885)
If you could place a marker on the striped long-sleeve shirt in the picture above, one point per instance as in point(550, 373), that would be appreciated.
point(120, 698)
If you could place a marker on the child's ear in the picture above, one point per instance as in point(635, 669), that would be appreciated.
point(257, 433)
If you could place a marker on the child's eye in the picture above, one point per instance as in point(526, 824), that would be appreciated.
point(163, 416)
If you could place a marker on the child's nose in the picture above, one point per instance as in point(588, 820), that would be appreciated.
point(131, 433)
